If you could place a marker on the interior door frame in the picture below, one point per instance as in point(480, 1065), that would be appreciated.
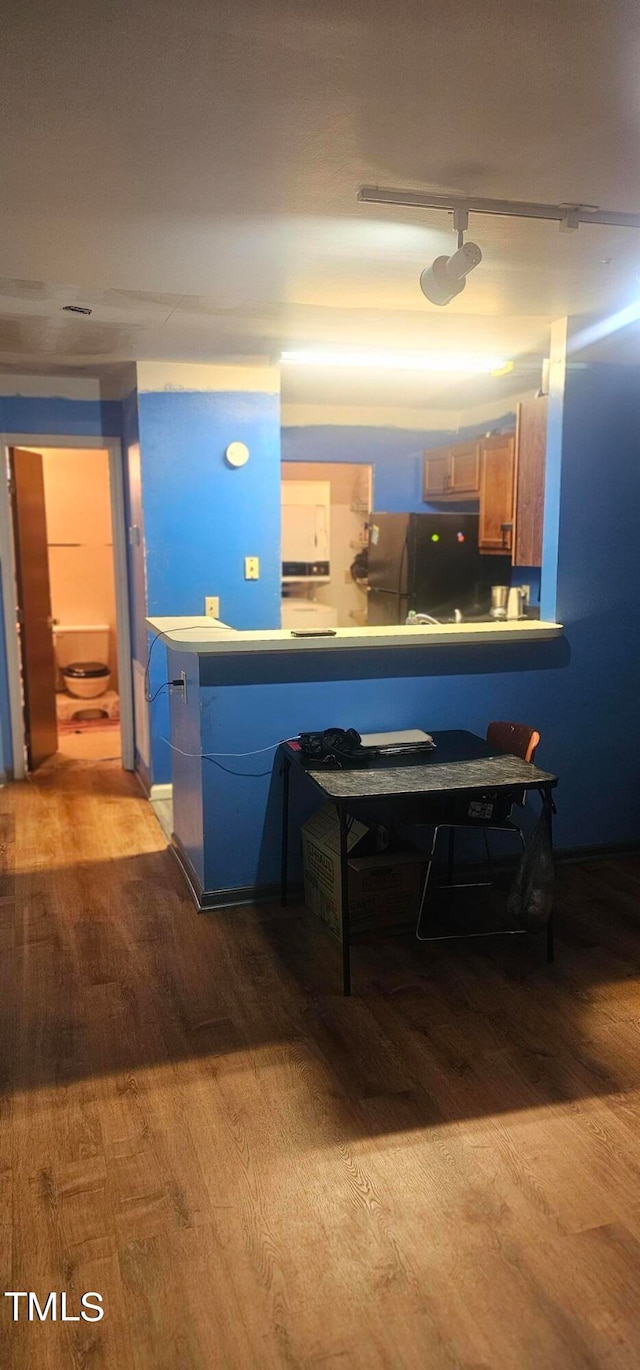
point(9, 587)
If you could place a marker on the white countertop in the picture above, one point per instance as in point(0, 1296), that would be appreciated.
point(207, 636)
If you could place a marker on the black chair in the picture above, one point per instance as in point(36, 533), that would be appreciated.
point(518, 740)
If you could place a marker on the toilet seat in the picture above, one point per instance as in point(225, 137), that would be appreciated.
point(86, 670)
point(86, 679)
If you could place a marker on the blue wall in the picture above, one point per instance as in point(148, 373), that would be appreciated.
point(53, 415)
point(580, 691)
point(201, 517)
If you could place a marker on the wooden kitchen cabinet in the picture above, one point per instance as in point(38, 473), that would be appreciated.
point(531, 452)
point(497, 474)
point(464, 469)
point(435, 473)
point(452, 472)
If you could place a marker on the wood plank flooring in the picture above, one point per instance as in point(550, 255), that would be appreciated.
point(255, 1172)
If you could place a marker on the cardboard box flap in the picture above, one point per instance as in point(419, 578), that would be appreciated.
point(323, 829)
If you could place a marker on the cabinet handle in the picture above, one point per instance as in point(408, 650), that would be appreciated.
point(506, 528)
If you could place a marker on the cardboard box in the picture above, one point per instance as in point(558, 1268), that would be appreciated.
point(384, 889)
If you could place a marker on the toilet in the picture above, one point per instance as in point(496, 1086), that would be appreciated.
point(81, 653)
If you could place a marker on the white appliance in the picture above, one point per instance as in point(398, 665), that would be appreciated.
point(306, 527)
point(82, 654)
point(306, 613)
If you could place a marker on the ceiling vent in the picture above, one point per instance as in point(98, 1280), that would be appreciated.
point(76, 309)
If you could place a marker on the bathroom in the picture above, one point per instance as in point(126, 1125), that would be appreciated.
point(74, 497)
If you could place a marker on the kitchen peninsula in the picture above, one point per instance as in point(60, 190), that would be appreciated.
point(242, 692)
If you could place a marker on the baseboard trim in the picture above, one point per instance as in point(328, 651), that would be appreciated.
point(211, 901)
point(161, 792)
point(142, 775)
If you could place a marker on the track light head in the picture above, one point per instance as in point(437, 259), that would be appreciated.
point(447, 277)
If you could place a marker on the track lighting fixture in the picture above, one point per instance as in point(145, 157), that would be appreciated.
point(447, 277)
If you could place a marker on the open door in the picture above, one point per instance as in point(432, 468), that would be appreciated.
point(34, 605)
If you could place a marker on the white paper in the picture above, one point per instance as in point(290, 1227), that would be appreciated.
point(398, 739)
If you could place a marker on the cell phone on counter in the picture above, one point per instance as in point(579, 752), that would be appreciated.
point(313, 632)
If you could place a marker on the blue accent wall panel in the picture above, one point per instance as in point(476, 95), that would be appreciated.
point(202, 517)
point(52, 415)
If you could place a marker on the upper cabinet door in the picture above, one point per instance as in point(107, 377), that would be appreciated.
point(497, 462)
point(464, 469)
point(436, 473)
point(531, 454)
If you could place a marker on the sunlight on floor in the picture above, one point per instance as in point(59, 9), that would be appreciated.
point(101, 744)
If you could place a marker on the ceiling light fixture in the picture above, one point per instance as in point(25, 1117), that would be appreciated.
point(447, 277)
point(443, 363)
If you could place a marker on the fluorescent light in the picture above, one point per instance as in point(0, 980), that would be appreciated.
point(444, 362)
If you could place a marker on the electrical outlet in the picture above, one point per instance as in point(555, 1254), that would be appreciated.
point(212, 606)
point(252, 568)
point(179, 687)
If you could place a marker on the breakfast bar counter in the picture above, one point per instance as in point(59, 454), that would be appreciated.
point(205, 635)
point(236, 695)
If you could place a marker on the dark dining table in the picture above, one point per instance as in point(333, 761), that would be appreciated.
point(461, 766)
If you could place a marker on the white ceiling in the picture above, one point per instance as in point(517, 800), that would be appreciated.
point(190, 172)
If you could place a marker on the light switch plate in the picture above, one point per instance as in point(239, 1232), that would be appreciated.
point(252, 568)
point(212, 606)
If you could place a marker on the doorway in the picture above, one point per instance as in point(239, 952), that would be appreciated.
point(341, 499)
point(68, 647)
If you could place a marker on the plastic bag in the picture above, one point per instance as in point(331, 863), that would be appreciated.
point(530, 899)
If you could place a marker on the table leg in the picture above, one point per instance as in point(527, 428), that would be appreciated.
point(284, 849)
point(451, 855)
point(344, 887)
point(548, 813)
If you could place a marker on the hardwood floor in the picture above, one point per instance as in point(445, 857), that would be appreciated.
point(255, 1172)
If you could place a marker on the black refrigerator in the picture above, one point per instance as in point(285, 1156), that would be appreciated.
point(429, 563)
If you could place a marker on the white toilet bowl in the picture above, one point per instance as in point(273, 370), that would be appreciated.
point(82, 653)
point(86, 679)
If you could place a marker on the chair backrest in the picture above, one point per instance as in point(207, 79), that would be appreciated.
point(515, 738)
